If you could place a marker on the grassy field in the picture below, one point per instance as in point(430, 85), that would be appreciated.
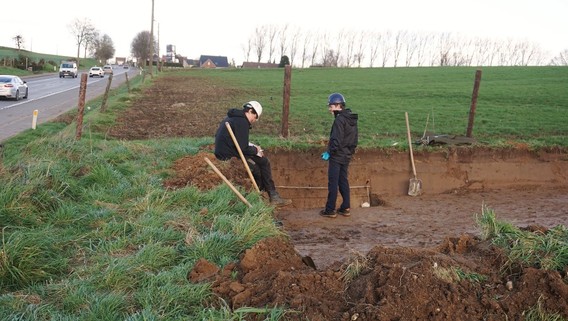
point(51, 61)
point(527, 104)
point(89, 232)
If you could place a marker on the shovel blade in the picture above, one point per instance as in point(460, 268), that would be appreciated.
point(415, 187)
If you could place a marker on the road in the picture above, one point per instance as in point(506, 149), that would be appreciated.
point(52, 96)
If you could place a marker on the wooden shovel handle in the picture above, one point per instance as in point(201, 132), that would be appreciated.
point(242, 156)
point(218, 172)
point(410, 144)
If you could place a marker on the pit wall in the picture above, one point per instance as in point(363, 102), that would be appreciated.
point(374, 175)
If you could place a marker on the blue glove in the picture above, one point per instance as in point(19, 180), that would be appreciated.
point(325, 156)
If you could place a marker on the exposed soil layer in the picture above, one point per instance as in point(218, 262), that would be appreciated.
point(405, 247)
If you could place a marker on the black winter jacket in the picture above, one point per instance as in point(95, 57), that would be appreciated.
point(224, 146)
point(344, 136)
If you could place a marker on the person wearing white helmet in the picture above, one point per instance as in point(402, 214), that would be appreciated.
point(241, 121)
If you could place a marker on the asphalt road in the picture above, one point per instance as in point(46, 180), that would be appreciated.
point(52, 96)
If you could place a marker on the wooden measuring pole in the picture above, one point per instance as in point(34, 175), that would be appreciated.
point(473, 103)
point(82, 91)
point(286, 101)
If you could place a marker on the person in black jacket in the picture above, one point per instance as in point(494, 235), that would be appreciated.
point(240, 121)
point(343, 140)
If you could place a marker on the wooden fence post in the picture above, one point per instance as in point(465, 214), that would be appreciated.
point(286, 101)
point(105, 97)
point(82, 91)
point(473, 103)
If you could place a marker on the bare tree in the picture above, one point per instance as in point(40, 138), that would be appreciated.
point(461, 53)
point(272, 32)
point(350, 48)
point(561, 59)
point(325, 48)
point(385, 48)
point(411, 45)
point(81, 29)
point(305, 45)
point(316, 47)
point(294, 43)
point(482, 51)
point(283, 37)
point(374, 47)
point(445, 48)
point(330, 59)
point(339, 43)
point(423, 40)
point(19, 40)
point(260, 41)
point(248, 48)
point(360, 47)
point(350, 39)
point(529, 54)
point(399, 40)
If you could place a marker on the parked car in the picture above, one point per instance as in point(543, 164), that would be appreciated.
point(96, 71)
point(13, 87)
point(107, 69)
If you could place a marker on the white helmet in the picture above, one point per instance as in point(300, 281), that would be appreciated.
point(254, 105)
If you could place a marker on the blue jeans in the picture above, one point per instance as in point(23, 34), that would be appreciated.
point(337, 179)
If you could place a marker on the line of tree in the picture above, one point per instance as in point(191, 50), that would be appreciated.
point(351, 48)
point(100, 47)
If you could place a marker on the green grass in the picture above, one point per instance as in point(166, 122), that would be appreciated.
point(51, 61)
point(521, 104)
point(523, 248)
point(89, 232)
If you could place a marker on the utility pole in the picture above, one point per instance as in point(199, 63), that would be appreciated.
point(152, 41)
point(159, 62)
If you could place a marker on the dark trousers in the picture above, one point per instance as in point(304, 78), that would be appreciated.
point(337, 179)
point(260, 168)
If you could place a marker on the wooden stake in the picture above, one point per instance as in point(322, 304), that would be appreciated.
point(241, 197)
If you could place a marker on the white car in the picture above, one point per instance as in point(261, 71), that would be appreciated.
point(107, 69)
point(13, 87)
point(96, 71)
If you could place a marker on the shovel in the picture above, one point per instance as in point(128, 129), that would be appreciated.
point(415, 187)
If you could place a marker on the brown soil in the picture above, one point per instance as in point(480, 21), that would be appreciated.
point(405, 247)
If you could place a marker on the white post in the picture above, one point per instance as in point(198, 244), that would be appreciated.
point(34, 120)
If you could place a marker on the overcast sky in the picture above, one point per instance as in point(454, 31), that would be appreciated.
point(223, 27)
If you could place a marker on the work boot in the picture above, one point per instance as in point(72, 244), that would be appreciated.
point(276, 200)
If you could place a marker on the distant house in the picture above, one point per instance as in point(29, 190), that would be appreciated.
point(213, 62)
point(120, 60)
point(259, 65)
point(190, 63)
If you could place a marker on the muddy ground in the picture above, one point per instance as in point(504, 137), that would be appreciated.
point(405, 247)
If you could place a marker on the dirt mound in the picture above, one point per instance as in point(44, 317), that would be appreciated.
point(387, 284)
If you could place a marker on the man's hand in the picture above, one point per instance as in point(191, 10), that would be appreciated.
point(325, 156)
point(259, 151)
